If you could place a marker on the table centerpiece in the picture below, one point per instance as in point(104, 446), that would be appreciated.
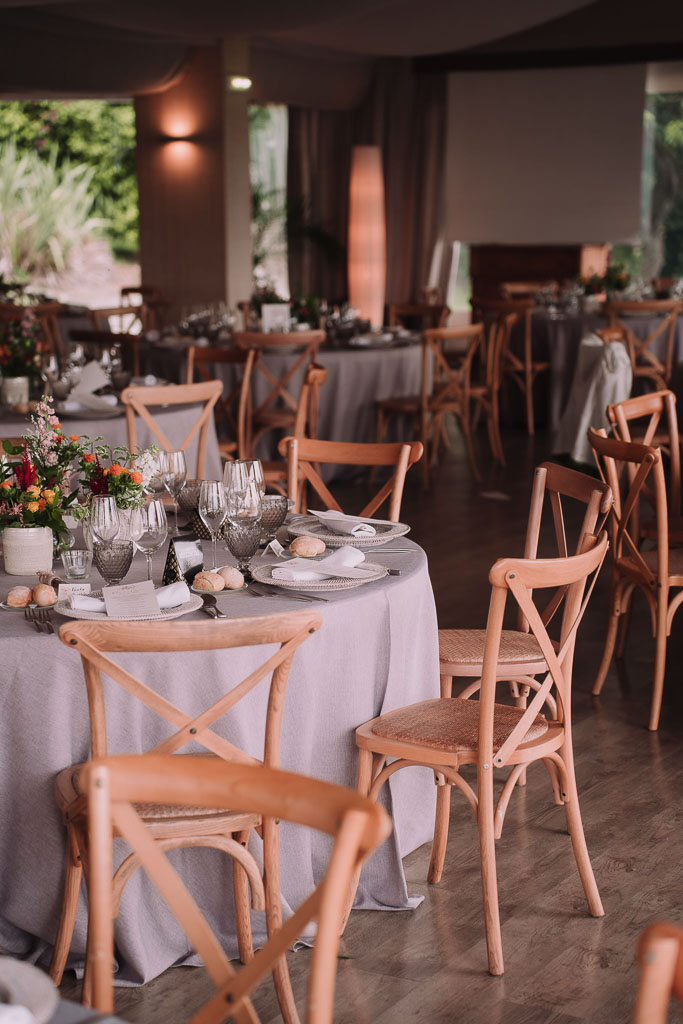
point(19, 358)
point(126, 478)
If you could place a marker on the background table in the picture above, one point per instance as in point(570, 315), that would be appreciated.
point(377, 651)
point(175, 422)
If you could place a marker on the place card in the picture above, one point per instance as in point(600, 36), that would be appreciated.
point(66, 591)
point(131, 599)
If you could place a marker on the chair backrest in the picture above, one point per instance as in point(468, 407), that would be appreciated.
point(640, 462)
point(125, 319)
point(660, 957)
point(152, 304)
point(304, 456)
point(450, 382)
point(93, 639)
point(427, 314)
point(499, 317)
point(202, 362)
point(107, 338)
point(643, 360)
point(656, 423)
point(305, 343)
point(355, 825)
point(137, 401)
point(521, 578)
point(308, 406)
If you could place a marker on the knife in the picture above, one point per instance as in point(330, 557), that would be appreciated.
point(265, 590)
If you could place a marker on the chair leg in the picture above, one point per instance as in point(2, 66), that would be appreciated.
point(660, 659)
point(446, 684)
point(489, 881)
point(436, 438)
point(529, 397)
point(423, 426)
point(469, 447)
point(281, 979)
point(610, 641)
point(240, 884)
point(441, 822)
point(67, 918)
point(575, 826)
point(624, 623)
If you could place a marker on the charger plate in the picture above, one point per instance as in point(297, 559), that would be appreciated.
point(264, 574)
point(309, 526)
point(193, 605)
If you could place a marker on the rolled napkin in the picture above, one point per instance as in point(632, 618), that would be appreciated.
point(337, 522)
point(171, 596)
point(341, 563)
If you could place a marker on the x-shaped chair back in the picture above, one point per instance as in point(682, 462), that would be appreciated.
point(657, 426)
point(138, 400)
point(120, 319)
point(201, 361)
point(643, 360)
point(92, 640)
point(521, 578)
point(305, 344)
point(304, 455)
point(152, 304)
point(355, 825)
point(451, 378)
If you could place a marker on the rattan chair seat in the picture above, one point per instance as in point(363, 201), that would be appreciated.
point(452, 725)
point(466, 647)
point(650, 559)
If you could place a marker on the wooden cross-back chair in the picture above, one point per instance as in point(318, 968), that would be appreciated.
point(660, 958)
point(524, 369)
point(658, 574)
point(448, 355)
point(278, 409)
point(223, 828)
point(645, 364)
point(153, 306)
point(429, 315)
point(138, 400)
point(125, 319)
point(356, 826)
point(444, 734)
point(305, 456)
point(130, 344)
point(202, 361)
point(276, 471)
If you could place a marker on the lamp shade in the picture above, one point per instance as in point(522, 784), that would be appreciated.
point(367, 234)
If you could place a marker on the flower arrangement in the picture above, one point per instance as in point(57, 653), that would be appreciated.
point(615, 279)
point(19, 346)
point(126, 483)
point(306, 310)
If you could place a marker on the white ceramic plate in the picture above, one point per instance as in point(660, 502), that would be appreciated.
point(193, 605)
point(24, 985)
point(264, 574)
point(20, 607)
point(309, 526)
point(218, 593)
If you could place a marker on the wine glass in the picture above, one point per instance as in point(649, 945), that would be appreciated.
point(154, 530)
point(174, 473)
point(243, 492)
point(104, 519)
point(213, 508)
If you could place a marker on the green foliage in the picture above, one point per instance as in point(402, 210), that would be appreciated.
point(96, 133)
point(46, 211)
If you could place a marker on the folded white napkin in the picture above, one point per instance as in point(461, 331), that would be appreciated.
point(80, 400)
point(11, 1014)
point(341, 562)
point(168, 597)
point(337, 522)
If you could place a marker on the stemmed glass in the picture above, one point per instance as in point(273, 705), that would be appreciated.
point(104, 519)
point(244, 498)
point(249, 470)
point(174, 473)
point(213, 509)
point(113, 560)
point(154, 531)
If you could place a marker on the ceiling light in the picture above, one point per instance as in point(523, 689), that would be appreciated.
point(239, 83)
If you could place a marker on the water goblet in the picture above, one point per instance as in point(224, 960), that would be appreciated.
point(174, 474)
point(113, 560)
point(213, 509)
point(242, 540)
point(104, 519)
point(273, 514)
point(154, 531)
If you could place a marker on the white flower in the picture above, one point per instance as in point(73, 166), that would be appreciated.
point(147, 464)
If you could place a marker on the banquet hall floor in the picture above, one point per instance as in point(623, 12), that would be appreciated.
point(561, 966)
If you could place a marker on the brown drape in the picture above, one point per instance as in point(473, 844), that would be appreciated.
point(404, 114)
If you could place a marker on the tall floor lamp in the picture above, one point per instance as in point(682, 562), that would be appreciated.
point(367, 234)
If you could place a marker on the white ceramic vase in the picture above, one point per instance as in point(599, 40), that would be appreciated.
point(27, 549)
point(14, 391)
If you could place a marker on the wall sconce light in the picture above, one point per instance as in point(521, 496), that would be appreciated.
point(367, 266)
point(239, 83)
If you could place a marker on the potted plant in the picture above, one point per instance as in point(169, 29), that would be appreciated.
point(19, 360)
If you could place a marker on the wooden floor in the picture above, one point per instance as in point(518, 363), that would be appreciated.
point(562, 966)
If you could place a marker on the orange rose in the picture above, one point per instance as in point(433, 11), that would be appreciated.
point(33, 491)
point(136, 478)
point(74, 437)
point(33, 506)
point(116, 470)
point(49, 494)
point(6, 484)
point(89, 457)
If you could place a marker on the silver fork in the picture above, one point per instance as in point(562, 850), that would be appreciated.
point(31, 615)
point(44, 617)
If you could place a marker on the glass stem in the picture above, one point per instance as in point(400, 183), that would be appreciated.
point(148, 556)
point(213, 550)
point(175, 510)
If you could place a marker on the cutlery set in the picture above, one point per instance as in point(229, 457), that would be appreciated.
point(40, 617)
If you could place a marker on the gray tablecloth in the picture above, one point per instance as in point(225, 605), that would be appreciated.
point(377, 651)
point(175, 422)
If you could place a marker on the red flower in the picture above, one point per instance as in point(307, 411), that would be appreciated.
point(98, 481)
point(26, 472)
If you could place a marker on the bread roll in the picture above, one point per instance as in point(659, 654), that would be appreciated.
point(44, 595)
point(234, 580)
point(306, 547)
point(208, 581)
point(18, 597)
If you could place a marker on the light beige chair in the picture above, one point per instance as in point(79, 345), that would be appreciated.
point(125, 319)
point(114, 788)
point(223, 827)
point(304, 457)
point(645, 364)
point(139, 400)
point(660, 957)
point(201, 362)
point(445, 734)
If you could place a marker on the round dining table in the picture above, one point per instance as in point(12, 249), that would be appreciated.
point(377, 650)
